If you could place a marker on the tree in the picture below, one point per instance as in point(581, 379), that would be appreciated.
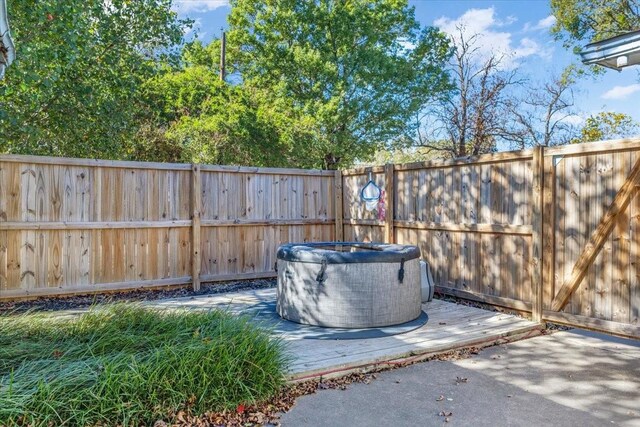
point(192, 116)
point(355, 71)
point(74, 87)
point(473, 117)
point(582, 21)
point(540, 116)
point(205, 120)
point(400, 156)
point(608, 125)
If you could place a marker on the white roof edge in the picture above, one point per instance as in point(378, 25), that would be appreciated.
point(612, 48)
point(5, 39)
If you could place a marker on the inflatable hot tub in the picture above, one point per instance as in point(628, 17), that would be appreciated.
point(348, 285)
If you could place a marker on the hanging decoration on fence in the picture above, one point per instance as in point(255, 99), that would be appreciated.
point(370, 194)
point(382, 210)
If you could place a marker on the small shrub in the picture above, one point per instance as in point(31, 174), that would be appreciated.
point(129, 365)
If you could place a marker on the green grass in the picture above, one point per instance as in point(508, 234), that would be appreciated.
point(128, 365)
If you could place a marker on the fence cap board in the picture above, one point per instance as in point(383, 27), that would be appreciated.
point(67, 161)
point(125, 164)
point(599, 147)
point(266, 171)
point(363, 170)
point(503, 156)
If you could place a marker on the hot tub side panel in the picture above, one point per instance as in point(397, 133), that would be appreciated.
point(396, 302)
point(350, 296)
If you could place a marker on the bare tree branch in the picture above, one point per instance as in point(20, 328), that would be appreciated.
point(474, 117)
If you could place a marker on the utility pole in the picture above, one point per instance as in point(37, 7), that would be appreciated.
point(223, 48)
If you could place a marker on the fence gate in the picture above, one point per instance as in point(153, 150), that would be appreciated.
point(591, 219)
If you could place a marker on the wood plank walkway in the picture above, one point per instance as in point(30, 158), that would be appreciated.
point(451, 326)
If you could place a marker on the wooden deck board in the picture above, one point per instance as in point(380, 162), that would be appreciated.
point(450, 326)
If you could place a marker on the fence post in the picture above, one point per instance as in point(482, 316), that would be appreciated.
point(389, 232)
point(339, 214)
point(536, 237)
point(196, 207)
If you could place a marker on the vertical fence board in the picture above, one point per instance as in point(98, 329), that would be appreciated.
point(339, 206)
point(196, 208)
point(536, 238)
point(389, 232)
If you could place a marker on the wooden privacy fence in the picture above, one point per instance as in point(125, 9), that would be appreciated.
point(552, 231)
point(73, 225)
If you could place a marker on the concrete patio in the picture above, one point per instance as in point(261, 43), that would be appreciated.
point(570, 378)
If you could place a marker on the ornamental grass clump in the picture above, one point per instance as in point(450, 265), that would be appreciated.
point(124, 364)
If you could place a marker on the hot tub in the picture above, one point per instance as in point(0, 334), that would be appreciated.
point(348, 285)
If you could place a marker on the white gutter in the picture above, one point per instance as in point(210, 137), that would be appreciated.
point(616, 52)
point(7, 49)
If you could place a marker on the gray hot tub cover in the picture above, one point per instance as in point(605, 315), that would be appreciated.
point(317, 253)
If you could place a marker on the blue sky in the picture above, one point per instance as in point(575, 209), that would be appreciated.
point(517, 27)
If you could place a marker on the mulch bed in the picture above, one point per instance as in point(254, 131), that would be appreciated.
point(83, 301)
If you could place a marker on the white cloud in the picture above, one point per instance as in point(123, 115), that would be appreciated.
point(529, 47)
point(491, 39)
point(545, 23)
point(621, 92)
point(474, 20)
point(574, 119)
point(184, 6)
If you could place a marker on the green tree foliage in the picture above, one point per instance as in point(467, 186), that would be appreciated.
point(352, 72)
point(207, 121)
point(313, 84)
point(74, 87)
point(582, 21)
point(608, 125)
point(195, 117)
point(402, 156)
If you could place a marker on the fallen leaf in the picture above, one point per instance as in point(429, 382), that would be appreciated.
point(460, 380)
